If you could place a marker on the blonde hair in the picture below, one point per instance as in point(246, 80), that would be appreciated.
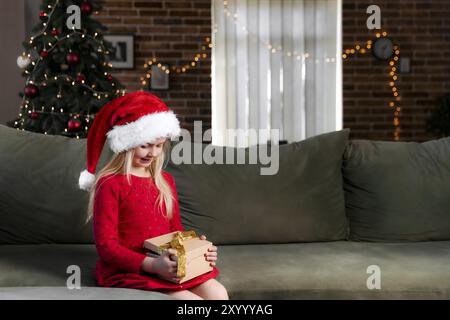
point(121, 163)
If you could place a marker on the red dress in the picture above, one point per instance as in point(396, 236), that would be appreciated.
point(124, 216)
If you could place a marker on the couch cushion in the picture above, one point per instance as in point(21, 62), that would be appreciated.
point(39, 197)
point(398, 191)
point(325, 270)
point(336, 270)
point(46, 264)
point(85, 293)
point(236, 204)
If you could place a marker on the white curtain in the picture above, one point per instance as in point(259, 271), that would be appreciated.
point(276, 64)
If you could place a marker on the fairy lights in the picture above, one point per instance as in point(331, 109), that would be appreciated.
point(392, 69)
point(270, 46)
point(203, 55)
point(177, 69)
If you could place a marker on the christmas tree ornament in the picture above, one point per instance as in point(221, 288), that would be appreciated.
point(80, 77)
point(86, 7)
point(74, 125)
point(31, 91)
point(34, 115)
point(44, 54)
point(23, 61)
point(55, 32)
point(109, 77)
point(42, 14)
point(73, 59)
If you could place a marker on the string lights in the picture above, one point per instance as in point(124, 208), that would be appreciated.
point(357, 48)
point(202, 55)
point(393, 69)
point(178, 69)
point(268, 45)
point(362, 49)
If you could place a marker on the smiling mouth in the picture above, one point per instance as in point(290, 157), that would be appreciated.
point(146, 159)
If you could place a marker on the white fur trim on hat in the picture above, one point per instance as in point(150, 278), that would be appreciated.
point(86, 180)
point(144, 130)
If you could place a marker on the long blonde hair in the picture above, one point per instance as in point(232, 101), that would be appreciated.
point(121, 163)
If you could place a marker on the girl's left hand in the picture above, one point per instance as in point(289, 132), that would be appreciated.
point(211, 255)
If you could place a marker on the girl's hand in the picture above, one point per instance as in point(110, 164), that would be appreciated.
point(165, 265)
point(211, 255)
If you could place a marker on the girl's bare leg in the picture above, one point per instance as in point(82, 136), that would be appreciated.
point(211, 290)
point(184, 295)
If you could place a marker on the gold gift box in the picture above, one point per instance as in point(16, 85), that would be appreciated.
point(190, 252)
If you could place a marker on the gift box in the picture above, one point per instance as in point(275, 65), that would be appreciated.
point(190, 252)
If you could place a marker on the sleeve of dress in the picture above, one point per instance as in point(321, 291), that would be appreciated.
point(175, 222)
point(105, 220)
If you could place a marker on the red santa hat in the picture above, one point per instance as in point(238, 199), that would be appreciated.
point(131, 120)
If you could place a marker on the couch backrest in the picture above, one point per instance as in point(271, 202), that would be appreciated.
point(40, 201)
point(398, 191)
point(39, 197)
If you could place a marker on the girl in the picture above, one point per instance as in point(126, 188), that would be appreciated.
point(133, 199)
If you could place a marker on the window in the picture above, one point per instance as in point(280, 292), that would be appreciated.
point(276, 65)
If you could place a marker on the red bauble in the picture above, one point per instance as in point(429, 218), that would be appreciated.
point(86, 7)
point(109, 77)
point(31, 91)
point(80, 77)
point(42, 14)
point(74, 125)
point(55, 32)
point(73, 58)
point(44, 53)
point(34, 115)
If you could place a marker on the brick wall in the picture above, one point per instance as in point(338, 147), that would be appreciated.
point(421, 28)
point(174, 31)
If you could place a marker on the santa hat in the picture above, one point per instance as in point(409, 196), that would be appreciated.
point(131, 120)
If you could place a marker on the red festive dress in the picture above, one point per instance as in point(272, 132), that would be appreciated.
point(124, 216)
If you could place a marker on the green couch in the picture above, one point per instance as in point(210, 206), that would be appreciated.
point(315, 230)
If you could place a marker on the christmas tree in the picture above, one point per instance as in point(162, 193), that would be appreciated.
point(67, 70)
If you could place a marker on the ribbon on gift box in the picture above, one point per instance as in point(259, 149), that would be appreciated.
point(177, 243)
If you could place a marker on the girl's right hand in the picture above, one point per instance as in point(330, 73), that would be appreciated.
point(165, 265)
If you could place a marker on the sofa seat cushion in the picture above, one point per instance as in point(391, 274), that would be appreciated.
point(86, 293)
point(320, 270)
point(46, 264)
point(336, 270)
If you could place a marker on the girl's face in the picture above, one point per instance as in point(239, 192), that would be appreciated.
point(145, 154)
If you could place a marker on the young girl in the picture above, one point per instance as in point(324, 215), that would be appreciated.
point(132, 199)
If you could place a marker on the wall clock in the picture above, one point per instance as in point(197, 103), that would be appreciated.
point(383, 48)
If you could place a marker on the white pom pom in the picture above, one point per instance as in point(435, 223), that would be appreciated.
point(86, 180)
point(23, 61)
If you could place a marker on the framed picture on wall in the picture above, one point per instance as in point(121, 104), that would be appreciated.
point(123, 44)
point(159, 78)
